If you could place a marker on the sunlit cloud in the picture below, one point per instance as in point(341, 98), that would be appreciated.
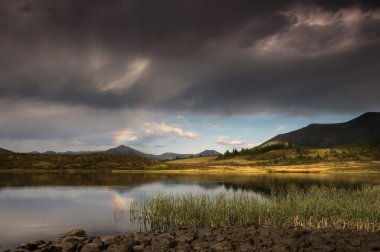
point(154, 128)
point(125, 136)
point(149, 131)
point(224, 140)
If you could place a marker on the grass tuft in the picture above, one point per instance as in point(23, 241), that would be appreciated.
point(316, 207)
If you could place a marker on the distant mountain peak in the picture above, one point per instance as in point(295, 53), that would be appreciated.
point(125, 150)
point(122, 147)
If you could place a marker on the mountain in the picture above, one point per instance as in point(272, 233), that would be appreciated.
point(170, 156)
point(5, 152)
point(125, 150)
point(208, 153)
point(77, 152)
point(365, 128)
point(49, 153)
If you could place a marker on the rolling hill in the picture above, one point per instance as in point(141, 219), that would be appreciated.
point(365, 128)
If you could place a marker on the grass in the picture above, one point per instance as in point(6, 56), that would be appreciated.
point(316, 207)
point(74, 162)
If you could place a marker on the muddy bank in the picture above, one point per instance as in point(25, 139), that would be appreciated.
point(258, 238)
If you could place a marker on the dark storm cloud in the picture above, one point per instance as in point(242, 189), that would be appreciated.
point(221, 57)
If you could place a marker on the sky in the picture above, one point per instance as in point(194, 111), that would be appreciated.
point(179, 75)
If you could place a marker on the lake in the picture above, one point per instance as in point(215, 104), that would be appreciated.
point(46, 205)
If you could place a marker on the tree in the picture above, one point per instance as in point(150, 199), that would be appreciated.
point(235, 152)
point(227, 154)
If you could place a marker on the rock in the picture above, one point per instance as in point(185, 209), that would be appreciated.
point(69, 246)
point(185, 238)
point(90, 247)
point(138, 248)
point(119, 248)
point(200, 245)
point(146, 241)
point(47, 243)
point(260, 238)
point(376, 247)
point(75, 239)
point(162, 243)
point(278, 248)
point(129, 242)
point(205, 232)
point(21, 250)
point(183, 247)
point(220, 238)
point(245, 247)
point(52, 248)
point(222, 246)
point(299, 232)
point(31, 245)
point(110, 239)
point(75, 232)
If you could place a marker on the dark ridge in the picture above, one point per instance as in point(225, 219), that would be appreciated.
point(365, 128)
point(5, 152)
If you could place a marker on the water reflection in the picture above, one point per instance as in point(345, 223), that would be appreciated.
point(119, 208)
point(40, 206)
point(261, 182)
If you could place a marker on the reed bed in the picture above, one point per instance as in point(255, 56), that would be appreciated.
point(316, 207)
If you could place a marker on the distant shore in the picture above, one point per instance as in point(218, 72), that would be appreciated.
point(254, 238)
point(181, 167)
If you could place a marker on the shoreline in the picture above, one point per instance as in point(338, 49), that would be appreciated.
point(264, 237)
point(235, 170)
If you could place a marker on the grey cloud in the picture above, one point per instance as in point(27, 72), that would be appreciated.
point(334, 83)
point(204, 56)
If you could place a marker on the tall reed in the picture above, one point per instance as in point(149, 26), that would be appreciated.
point(316, 207)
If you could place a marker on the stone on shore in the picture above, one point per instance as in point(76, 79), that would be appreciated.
point(259, 238)
point(91, 247)
point(75, 232)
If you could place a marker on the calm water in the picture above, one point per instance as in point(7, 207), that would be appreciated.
point(39, 206)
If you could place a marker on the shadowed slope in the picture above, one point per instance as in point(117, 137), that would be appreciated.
point(4, 151)
point(365, 128)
